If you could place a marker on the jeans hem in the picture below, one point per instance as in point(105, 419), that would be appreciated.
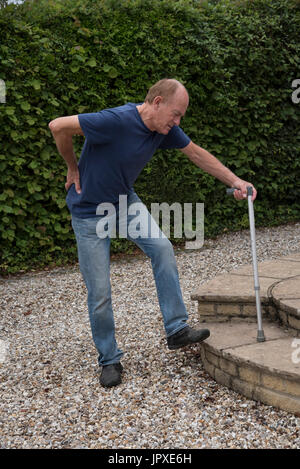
point(177, 330)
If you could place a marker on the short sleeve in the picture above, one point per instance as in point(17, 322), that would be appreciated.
point(176, 138)
point(99, 127)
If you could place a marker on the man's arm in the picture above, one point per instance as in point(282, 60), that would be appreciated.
point(63, 129)
point(210, 164)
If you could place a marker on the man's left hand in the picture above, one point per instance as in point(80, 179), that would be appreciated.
point(241, 192)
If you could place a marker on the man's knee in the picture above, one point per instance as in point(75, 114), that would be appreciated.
point(163, 249)
point(98, 298)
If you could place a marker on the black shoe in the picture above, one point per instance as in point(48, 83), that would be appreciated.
point(187, 336)
point(111, 375)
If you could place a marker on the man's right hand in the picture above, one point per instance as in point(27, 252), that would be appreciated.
point(73, 178)
point(63, 129)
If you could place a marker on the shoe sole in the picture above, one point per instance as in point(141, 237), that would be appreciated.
point(110, 385)
point(175, 347)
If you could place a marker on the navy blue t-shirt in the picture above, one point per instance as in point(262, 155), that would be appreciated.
point(117, 147)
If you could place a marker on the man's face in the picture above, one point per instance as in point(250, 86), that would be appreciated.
point(169, 113)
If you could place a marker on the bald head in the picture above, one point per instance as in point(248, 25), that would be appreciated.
point(166, 88)
point(164, 106)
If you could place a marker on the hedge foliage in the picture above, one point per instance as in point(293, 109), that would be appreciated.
point(237, 60)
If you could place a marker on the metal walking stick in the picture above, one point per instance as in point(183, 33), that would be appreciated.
point(260, 332)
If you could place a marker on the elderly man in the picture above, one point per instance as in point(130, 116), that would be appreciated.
point(118, 144)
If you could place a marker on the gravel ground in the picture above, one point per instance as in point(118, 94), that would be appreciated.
point(50, 393)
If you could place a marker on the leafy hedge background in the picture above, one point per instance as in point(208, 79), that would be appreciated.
point(237, 60)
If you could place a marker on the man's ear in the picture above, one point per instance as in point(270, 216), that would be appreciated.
point(157, 101)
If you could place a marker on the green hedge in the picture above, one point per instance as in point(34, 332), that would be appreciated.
point(237, 60)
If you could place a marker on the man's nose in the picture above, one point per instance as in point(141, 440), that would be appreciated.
point(177, 120)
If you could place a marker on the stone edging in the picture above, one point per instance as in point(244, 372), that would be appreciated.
point(253, 381)
point(223, 309)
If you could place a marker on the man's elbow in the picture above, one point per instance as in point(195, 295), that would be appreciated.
point(53, 126)
point(68, 125)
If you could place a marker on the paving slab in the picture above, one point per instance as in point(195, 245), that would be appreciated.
point(232, 287)
point(292, 306)
point(274, 355)
point(277, 269)
point(293, 257)
point(228, 335)
point(288, 288)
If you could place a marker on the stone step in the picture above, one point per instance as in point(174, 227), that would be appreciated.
point(268, 371)
point(231, 297)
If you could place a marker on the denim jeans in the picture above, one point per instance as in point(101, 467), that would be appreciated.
point(94, 260)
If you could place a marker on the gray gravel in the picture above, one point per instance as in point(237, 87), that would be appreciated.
point(50, 393)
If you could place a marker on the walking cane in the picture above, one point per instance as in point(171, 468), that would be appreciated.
point(260, 332)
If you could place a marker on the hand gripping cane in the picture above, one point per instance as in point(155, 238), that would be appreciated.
point(260, 332)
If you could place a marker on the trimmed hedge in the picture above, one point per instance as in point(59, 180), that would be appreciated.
point(237, 60)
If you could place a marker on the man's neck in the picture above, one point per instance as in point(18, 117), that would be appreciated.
point(146, 115)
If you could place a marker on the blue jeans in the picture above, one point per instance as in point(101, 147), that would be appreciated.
point(94, 261)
